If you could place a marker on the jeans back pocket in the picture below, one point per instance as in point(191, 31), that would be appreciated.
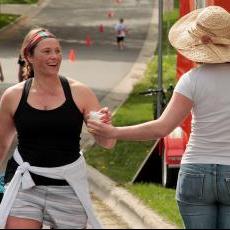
point(225, 198)
point(190, 187)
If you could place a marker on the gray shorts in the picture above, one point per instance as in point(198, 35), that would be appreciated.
point(54, 206)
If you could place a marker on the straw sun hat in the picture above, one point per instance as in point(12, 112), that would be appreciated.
point(203, 35)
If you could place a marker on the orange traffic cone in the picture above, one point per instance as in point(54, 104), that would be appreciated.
point(101, 28)
point(72, 55)
point(110, 14)
point(88, 41)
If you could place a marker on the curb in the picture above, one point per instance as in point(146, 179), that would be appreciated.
point(124, 204)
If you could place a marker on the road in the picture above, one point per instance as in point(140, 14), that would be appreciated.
point(101, 66)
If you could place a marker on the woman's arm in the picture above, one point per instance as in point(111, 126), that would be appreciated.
point(7, 127)
point(177, 110)
point(87, 101)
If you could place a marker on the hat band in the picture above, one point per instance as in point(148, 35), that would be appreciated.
point(198, 31)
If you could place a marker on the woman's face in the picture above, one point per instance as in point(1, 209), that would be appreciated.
point(47, 57)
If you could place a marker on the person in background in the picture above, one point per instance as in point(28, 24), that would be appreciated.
point(203, 188)
point(46, 180)
point(1, 73)
point(121, 32)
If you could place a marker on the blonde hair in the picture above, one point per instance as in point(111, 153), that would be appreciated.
point(27, 48)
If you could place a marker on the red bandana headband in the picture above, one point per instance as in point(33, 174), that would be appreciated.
point(39, 36)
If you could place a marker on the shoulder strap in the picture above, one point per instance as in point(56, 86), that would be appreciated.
point(26, 91)
point(24, 97)
point(66, 88)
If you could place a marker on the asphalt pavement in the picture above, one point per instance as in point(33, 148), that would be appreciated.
point(101, 66)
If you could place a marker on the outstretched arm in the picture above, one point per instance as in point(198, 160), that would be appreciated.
point(177, 110)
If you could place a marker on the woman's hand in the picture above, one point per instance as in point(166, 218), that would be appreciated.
point(104, 127)
point(105, 119)
point(105, 130)
point(107, 115)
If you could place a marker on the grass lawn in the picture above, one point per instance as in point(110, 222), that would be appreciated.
point(122, 162)
point(6, 19)
point(18, 1)
point(160, 200)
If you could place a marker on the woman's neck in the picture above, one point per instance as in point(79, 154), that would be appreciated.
point(46, 84)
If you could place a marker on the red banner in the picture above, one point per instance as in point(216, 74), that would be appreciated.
point(223, 3)
point(183, 64)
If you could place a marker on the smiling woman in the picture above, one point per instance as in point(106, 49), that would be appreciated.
point(47, 112)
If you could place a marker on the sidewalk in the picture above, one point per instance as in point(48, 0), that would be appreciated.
point(17, 8)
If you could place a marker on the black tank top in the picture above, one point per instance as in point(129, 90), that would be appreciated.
point(47, 138)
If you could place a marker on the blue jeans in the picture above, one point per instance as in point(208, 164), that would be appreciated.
point(203, 196)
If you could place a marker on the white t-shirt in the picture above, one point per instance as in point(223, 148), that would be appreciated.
point(120, 30)
point(208, 86)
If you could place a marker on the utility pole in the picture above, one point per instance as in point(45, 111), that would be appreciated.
point(200, 4)
point(160, 54)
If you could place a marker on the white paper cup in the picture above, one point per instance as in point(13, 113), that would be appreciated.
point(96, 116)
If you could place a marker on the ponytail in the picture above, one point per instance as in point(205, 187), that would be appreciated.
point(25, 70)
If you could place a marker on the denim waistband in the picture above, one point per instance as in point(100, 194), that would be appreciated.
point(206, 168)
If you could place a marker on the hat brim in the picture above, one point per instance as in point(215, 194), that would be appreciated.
point(191, 47)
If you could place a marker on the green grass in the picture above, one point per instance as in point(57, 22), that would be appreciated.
point(123, 161)
point(18, 1)
point(160, 199)
point(169, 20)
point(6, 19)
point(176, 4)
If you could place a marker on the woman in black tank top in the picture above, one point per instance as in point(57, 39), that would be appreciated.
point(46, 112)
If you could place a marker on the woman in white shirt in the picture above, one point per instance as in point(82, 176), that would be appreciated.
point(203, 190)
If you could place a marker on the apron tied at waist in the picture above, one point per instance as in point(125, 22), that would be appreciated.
point(75, 174)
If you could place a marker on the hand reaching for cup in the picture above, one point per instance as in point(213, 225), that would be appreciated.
point(101, 129)
point(103, 116)
point(100, 123)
